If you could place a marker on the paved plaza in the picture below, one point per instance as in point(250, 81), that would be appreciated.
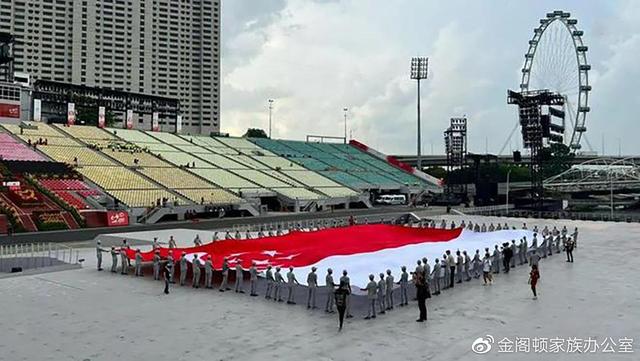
point(89, 315)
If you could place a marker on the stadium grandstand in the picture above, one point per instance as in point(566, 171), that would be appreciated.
point(79, 173)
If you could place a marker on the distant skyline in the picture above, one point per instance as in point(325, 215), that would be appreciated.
point(316, 57)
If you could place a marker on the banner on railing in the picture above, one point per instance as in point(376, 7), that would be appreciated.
point(155, 122)
point(128, 124)
point(179, 123)
point(101, 117)
point(71, 114)
point(117, 218)
point(37, 110)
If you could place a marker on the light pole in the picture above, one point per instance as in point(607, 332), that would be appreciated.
point(345, 110)
point(270, 108)
point(507, 202)
point(419, 65)
point(611, 194)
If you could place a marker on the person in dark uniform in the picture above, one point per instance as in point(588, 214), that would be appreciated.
point(341, 301)
point(421, 288)
point(568, 246)
point(166, 272)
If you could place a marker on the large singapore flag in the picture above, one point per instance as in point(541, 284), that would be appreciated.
point(361, 249)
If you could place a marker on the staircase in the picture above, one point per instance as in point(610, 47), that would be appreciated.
point(69, 220)
point(27, 223)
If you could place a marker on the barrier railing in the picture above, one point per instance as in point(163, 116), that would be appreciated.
point(475, 210)
point(37, 255)
point(585, 216)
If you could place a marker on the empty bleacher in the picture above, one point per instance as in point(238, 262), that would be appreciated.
point(139, 167)
point(342, 163)
point(137, 151)
point(10, 149)
point(265, 168)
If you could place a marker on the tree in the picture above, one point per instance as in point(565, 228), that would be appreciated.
point(556, 159)
point(437, 172)
point(255, 133)
point(89, 116)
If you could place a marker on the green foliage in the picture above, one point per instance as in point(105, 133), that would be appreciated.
point(255, 133)
point(556, 159)
point(437, 172)
point(15, 223)
point(487, 172)
point(89, 115)
point(49, 226)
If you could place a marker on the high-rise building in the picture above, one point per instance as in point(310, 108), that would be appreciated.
point(169, 48)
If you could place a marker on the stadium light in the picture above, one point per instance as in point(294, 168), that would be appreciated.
point(270, 108)
point(345, 110)
point(419, 66)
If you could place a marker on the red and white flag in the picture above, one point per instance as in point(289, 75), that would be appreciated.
point(360, 249)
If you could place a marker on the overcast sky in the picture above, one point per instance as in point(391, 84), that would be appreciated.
point(316, 57)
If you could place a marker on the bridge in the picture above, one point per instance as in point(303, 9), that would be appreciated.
point(441, 160)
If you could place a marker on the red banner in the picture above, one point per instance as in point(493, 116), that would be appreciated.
point(10, 110)
point(117, 218)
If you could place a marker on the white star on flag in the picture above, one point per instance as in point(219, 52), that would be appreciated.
point(270, 253)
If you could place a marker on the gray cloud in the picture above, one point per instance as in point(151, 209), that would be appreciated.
point(316, 57)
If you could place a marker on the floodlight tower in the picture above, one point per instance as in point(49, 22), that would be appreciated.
point(419, 66)
point(542, 119)
point(345, 110)
point(270, 110)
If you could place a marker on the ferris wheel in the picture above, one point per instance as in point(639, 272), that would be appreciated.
point(557, 61)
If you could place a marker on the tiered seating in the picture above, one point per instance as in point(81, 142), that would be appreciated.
point(144, 159)
point(86, 133)
point(168, 138)
point(121, 183)
point(182, 159)
point(85, 156)
point(347, 179)
point(10, 149)
point(191, 148)
point(133, 136)
point(112, 178)
point(250, 162)
point(278, 162)
point(67, 188)
point(337, 191)
point(51, 140)
point(312, 164)
point(342, 163)
point(175, 178)
point(224, 151)
point(206, 142)
point(224, 178)
point(64, 184)
point(144, 198)
point(238, 143)
point(72, 200)
point(261, 166)
point(281, 176)
point(40, 130)
point(221, 161)
point(310, 179)
point(157, 147)
point(261, 178)
point(215, 196)
point(299, 193)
